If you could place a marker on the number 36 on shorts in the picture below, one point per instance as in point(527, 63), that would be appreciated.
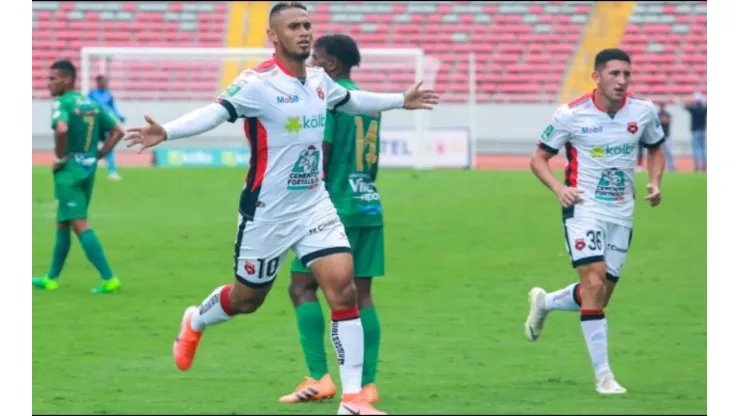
point(591, 240)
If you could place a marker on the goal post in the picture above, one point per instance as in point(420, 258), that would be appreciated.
point(194, 74)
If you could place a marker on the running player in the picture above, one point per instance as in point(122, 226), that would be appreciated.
point(601, 132)
point(351, 149)
point(77, 122)
point(284, 204)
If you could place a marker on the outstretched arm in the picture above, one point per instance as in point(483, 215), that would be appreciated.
point(361, 102)
point(196, 122)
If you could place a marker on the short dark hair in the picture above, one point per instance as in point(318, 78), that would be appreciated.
point(66, 67)
point(342, 47)
point(99, 77)
point(285, 5)
point(613, 54)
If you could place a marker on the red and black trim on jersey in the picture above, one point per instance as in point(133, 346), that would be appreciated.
point(571, 174)
point(257, 137)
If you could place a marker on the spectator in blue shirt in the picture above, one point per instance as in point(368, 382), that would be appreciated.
point(102, 95)
point(698, 112)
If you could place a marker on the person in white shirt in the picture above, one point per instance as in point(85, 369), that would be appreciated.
point(601, 132)
point(284, 204)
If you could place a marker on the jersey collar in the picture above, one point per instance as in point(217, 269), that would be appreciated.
point(282, 66)
point(593, 99)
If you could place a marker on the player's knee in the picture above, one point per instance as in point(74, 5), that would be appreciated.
point(245, 300)
point(302, 288)
point(364, 295)
point(342, 294)
point(594, 286)
point(79, 226)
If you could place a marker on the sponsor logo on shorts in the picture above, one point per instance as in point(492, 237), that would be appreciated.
point(612, 247)
point(323, 226)
point(337, 342)
point(580, 244)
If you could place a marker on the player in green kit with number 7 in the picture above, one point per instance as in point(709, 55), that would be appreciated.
point(351, 146)
point(77, 122)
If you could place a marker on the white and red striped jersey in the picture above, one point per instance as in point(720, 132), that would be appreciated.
point(602, 153)
point(284, 124)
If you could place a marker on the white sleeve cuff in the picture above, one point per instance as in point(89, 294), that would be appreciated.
point(360, 102)
point(196, 122)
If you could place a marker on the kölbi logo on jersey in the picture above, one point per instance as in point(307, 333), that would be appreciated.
point(296, 124)
point(622, 149)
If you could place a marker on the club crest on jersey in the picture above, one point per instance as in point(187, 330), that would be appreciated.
point(320, 93)
point(632, 127)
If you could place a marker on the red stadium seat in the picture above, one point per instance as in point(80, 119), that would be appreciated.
point(520, 56)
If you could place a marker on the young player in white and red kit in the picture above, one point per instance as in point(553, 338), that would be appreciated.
point(601, 132)
point(284, 204)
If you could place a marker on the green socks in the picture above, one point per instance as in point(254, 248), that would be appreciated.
point(311, 329)
point(371, 329)
point(59, 256)
point(94, 252)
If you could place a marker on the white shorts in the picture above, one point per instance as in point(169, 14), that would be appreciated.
point(590, 240)
point(261, 247)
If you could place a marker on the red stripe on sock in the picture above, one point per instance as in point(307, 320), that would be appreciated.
point(345, 314)
point(224, 299)
point(592, 312)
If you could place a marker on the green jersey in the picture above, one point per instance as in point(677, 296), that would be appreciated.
point(85, 118)
point(353, 168)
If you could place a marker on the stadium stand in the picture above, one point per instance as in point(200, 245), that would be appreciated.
point(522, 49)
point(668, 43)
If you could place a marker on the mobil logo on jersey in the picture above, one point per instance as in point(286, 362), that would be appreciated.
point(287, 99)
point(625, 149)
point(592, 130)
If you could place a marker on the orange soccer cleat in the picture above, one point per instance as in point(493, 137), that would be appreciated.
point(183, 350)
point(311, 390)
point(357, 404)
point(371, 393)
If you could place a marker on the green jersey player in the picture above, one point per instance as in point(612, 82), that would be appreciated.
point(77, 122)
point(351, 148)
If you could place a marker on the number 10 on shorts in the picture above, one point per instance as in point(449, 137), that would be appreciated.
point(261, 271)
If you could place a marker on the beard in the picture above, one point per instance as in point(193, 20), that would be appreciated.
point(295, 55)
point(298, 56)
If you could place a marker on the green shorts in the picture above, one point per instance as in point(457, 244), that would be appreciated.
point(367, 250)
point(73, 187)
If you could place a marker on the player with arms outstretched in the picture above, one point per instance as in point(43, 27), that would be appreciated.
point(77, 122)
point(600, 132)
point(351, 150)
point(284, 204)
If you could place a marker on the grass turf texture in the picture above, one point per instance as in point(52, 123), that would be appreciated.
point(462, 248)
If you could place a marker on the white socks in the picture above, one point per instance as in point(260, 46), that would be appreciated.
point(348, 339)
point(563, 299)
point(214, 310)
point(593, 324)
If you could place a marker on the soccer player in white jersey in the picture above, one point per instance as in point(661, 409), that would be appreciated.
point(600, 132)
point(284, 204)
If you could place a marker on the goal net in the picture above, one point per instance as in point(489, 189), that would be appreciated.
point(166, 82)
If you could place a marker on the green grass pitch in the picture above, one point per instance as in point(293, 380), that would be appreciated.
point(463, 249)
